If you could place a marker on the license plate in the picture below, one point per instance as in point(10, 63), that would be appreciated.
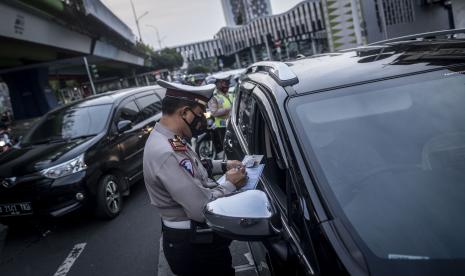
point(15, 209)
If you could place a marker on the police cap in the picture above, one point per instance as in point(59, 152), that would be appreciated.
point(199, 94)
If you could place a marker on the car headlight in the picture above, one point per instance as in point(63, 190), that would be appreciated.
point(69, 167)
point(2, 143)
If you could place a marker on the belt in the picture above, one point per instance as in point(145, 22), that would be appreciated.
point(185, 224)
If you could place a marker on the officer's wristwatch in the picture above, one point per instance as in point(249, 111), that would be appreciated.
point(224, 166)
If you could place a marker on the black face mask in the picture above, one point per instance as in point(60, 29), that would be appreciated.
point(198, 125)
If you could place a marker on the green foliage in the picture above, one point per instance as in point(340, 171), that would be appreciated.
point(147, 49)
point(167, 59)
point(196, 68)
point(202, 66)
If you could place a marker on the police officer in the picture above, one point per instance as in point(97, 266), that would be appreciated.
point(220, 107)
point(179, 184)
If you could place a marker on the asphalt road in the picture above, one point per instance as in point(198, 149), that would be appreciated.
point(80, 244)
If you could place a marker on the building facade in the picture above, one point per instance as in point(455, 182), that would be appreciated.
point(201, 50)
point(393, 18)
point(316, 26)
point(239, 12)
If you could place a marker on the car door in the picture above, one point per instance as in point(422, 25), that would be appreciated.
point(293, 253)
point(128, 142)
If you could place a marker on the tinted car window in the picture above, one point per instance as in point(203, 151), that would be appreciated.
point(129, 111)
point(150, 105)
point(393, 152)
point(245, 112)
point(69, 123)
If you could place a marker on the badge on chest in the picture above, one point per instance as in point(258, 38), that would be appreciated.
point(177, 144)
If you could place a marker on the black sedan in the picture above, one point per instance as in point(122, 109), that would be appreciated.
point(87, 153)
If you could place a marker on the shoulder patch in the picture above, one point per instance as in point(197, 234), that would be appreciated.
point(187, 165)
point(177, 145)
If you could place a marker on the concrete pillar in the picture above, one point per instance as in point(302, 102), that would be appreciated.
point(312, 41)
point(254, 55)
point(238, 60)
point(268, 51)
point(135, 77)
point(357, 27)
point(458, 8)
point(30, 98)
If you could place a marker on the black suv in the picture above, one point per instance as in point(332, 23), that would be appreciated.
point(89, 151)
point(364, 154)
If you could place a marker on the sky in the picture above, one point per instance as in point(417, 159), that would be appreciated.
point(179, 21)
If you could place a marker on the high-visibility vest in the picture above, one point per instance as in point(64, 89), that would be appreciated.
point(223, 102)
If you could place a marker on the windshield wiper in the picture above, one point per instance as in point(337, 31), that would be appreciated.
point(80, 137)
point(47, 141)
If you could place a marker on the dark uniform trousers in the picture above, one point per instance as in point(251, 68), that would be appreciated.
point(191, 253)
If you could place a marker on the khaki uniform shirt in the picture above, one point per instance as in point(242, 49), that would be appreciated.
point(176, 181)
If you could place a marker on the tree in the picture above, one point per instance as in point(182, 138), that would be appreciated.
point(167, 59)
point(196, 68)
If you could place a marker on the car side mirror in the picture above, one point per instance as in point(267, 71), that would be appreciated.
point(244, 216)
point(124, 126)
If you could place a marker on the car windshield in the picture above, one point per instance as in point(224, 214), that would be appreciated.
point(69, 123)
point(391, 155)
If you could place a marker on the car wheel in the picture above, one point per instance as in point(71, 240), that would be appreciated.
point(206, 149)
point(109, 197)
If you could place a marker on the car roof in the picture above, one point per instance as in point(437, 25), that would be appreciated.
point(113, 96)
point(375, 62)
point(223, 74)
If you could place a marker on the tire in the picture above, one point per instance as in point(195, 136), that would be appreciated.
point(109, 197)
point(203, 149)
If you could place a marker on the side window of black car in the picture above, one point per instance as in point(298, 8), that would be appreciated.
point(263, 144)
point(284, 182)
point(149, 105)
point(245, 113)
point(128, 111)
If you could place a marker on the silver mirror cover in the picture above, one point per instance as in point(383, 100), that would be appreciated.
point(247, 204)
point(245, 216)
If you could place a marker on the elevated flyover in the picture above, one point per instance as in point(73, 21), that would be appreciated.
point(39, 38)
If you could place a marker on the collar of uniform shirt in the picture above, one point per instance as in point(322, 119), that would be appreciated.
point(164, 130)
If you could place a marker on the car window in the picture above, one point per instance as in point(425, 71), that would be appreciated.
point(262, 144)
point(70, 123)
point(246, 106)
point(392, 151)
point(149, 105)
point(283, 182)
point(128, 111)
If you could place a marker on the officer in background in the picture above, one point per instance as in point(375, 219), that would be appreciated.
point(179, 184)
point(220, 107)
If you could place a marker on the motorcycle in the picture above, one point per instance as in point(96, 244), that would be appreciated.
point(205, 143)
point(5, 142)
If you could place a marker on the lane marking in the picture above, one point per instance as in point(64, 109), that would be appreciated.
point(69, 261)
point(240, 268)
point(245, 267)
point(249, 258)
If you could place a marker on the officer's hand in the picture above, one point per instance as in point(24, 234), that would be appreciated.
point(233, 164)
point(237, 176)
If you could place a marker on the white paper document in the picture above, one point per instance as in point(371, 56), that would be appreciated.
point(254, 171)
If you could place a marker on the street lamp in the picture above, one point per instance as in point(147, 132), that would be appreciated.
point(138, 18)
point(159, 40)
